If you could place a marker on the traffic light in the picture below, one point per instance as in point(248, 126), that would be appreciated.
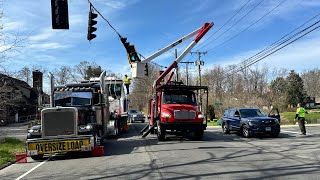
point(91, 23)
point(146, 72)
point(131, 51)
point(59, 13)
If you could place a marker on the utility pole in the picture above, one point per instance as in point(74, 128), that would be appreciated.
point(199, 63)
point(187, 69)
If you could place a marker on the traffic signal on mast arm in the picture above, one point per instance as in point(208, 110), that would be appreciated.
point(131, 51)
point(91, 23)
point(59, 13)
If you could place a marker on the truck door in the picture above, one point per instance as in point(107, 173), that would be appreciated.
point(274, 113)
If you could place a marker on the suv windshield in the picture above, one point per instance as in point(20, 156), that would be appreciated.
point(251, 113)
point(183, 97)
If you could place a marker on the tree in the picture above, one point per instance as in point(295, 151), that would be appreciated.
point(62, 75)
point(295, 89)
point(311, 81)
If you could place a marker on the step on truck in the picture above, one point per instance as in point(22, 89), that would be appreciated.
point(79, 117)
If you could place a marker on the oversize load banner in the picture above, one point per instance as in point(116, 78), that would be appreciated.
point(58, 146)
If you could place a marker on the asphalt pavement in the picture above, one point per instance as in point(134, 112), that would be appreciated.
point(218, 156)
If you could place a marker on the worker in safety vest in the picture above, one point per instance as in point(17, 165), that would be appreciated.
point(127, 82)
point(300, 114)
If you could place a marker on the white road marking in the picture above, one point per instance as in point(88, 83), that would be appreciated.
point(28, 172)
point(294, 132)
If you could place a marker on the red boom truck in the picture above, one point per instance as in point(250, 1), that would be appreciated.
point(174, 107)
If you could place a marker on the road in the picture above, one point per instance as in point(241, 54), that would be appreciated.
point(219, 156)
point(18, 131)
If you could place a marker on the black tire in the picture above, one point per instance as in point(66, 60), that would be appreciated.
point(198, 135)
point(142, 121)
point(225, 128)
point(161, 132)
point(37, 157)
point(245, 131)
point(274, 135)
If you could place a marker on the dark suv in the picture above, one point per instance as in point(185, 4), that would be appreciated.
point(250, 121)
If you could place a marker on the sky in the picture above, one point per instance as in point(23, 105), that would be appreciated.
point(153, 24)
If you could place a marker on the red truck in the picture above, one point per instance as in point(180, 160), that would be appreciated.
point(175, 108)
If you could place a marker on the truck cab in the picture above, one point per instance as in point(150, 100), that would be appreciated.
point(178, 110)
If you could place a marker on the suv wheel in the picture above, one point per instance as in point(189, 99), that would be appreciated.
point(225, 128)
point(245, 131)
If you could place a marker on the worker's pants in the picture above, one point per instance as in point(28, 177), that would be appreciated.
point(302, 125)
point(127, 87)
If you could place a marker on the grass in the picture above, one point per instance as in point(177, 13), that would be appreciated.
point(213, 123)
point(311, 118)
point(8, 149)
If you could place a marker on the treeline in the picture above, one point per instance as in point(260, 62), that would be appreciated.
point(258, 86)
point(63, 74)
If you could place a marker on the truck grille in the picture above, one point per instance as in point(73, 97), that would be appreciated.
point(57, 122)
point(184, 114)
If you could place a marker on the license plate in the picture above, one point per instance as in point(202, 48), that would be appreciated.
point(58, 146)
point(268, 128)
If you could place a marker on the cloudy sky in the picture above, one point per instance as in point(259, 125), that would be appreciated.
point(153, 24)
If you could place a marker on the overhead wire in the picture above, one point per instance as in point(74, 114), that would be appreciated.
point(265, 53)
point(95, 9)
point(232, 25)
point(225, 23)
point(248, 26)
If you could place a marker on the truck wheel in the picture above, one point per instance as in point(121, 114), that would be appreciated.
point(37, 157)
point(225, 128)
point(198, 135)
point(245, 131)
point(161, 132)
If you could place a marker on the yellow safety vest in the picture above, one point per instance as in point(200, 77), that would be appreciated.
point(301, 112)
point(127, 80)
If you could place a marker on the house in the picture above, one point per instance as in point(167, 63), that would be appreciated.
point(17, 98)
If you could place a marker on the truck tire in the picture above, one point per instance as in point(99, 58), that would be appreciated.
point(37, 157)
point(198, 135)
point(161, 132)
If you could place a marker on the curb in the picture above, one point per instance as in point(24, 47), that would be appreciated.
point(8, 164)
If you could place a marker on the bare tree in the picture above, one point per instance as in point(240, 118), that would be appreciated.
point(62, 75)
point(311, 81)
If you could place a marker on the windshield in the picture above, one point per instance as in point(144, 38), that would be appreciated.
point(184, 97)
point(251, 113)
point(114, 89)
point(66, 98)
point(133, 111)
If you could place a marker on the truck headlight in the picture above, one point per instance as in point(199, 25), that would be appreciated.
point(165, 115)
point(89, 127)
point(200, 116)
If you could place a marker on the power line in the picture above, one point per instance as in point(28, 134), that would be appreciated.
point(225, 23)
point(266, 55)
point(273, 46)
point(233, 25)
point(248, 26)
